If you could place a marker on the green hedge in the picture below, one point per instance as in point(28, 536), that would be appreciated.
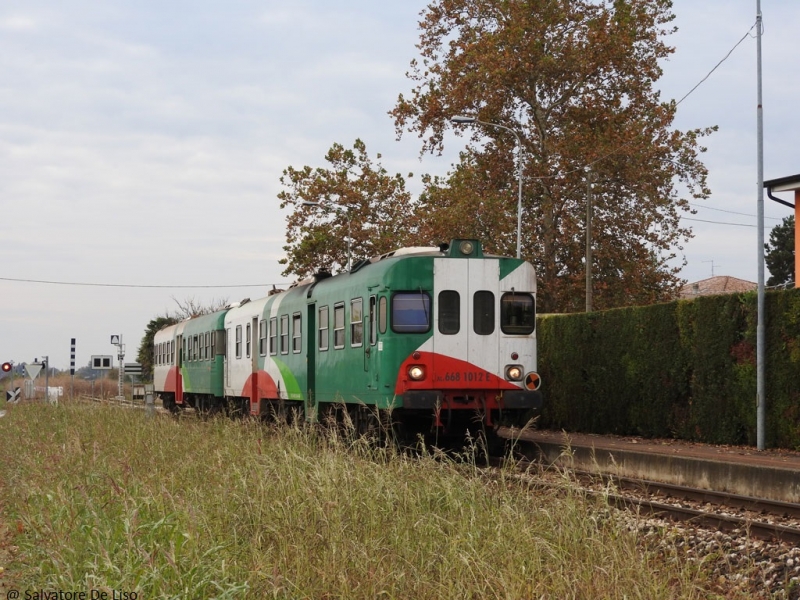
point(686, 369)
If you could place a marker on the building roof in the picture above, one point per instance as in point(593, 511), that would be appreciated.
point(784, 184)
point(722, 284)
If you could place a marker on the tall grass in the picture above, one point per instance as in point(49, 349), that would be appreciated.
point(104, 498)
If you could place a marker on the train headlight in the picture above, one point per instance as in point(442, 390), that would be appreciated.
point(416, 372)
point(514, 372)
point(466, 248)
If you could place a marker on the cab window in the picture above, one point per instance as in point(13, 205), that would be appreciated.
point(411, 312)
point(517, 313)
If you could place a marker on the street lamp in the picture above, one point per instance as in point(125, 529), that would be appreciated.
point(349, 237)
point(464, 120)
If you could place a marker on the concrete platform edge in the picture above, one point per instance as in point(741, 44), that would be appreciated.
point(757, 481)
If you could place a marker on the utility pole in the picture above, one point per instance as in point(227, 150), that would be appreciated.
point(46, 362)
point(116, 340)
point(589, 175)
point(760, 351)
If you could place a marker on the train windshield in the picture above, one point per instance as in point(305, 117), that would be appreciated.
point(411, 312)
point(517, 313)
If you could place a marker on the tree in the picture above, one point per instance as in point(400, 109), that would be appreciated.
point(374, 215)
point(780, 252)
point(574, 78)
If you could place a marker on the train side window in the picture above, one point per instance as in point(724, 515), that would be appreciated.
point(382, 312)
point(449, 312)
point(238, 341)
point(297, 341)
point(517, 313)
point(172, 352)
point(411, 312)
point(373, 324)
point(248, 340)
point(207, 352)
point(195, 347)
point(338, 326)
point(262, 337)
point(218, 343)
point(483, 315)
point(273, 335)
point(356, 322)
point(284, 334)
point(323, 328)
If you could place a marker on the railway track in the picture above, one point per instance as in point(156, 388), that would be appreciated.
point(721, 511)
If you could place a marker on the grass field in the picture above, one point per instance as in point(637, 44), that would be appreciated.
point(103, 498)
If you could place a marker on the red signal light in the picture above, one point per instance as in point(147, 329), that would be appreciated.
point(6, 367)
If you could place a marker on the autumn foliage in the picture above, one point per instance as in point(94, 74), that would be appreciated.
point(575, 79)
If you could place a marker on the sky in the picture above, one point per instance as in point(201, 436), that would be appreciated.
point(142, 143)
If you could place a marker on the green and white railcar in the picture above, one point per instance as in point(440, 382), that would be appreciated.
point(192, 374)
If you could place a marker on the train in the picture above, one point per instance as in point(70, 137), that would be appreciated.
point(441, 339)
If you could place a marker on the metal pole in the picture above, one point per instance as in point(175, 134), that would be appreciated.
point(589, 241)
point(46, 379)
point(461, 120)
point(760, 393)
point(519, 185)
point(519, 199)
point(349, 244)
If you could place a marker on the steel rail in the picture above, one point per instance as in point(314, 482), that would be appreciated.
point(757, 529)
point(681, 492)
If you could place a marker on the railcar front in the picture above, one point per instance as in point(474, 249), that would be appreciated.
point(476, 357)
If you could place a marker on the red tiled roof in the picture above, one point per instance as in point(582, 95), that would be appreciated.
point(722, 284)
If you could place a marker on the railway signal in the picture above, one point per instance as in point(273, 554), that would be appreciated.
point(7, 366)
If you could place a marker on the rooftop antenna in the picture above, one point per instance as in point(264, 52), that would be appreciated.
point(712, 266)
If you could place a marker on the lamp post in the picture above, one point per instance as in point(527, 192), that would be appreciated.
point(464, 120)
point(349, 237)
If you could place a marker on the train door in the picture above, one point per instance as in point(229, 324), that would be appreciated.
point(252, 352)
point(179, 351)
point(465, 317)
point(226, 361)
point(371, 358)
point(311, 357)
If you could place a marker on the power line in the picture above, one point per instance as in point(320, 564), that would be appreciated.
point(131, 285)
point(717, 65)
point(718, 222)
point(733, 212)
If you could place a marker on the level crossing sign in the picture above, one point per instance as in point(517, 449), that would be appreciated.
point(12, 395)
